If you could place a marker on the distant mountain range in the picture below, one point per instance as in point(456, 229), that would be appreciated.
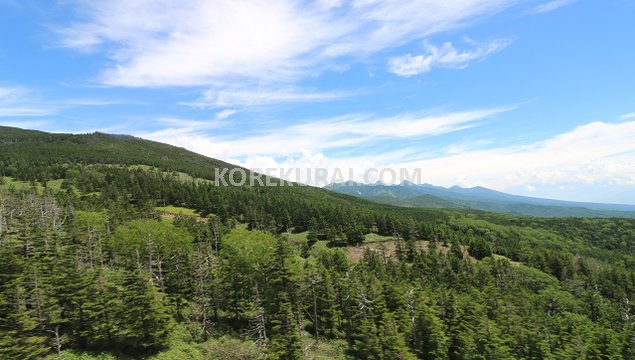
point(408, 194)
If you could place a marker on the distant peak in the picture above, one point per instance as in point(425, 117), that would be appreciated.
point(344, 183)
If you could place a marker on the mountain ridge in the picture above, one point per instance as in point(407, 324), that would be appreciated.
point(409, 194)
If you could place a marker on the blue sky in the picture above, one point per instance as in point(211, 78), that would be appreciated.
point(533, 97)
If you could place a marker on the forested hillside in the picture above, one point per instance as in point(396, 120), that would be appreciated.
point(116, 247)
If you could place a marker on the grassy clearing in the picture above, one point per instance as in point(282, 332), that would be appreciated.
point(512, 262)
point(166, 219)
point(373, 238)
point(9, 182)
point(177, 210)
point(296, 237)
point(55, 185)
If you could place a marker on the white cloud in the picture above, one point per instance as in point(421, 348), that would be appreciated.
point(20, 112)
point(224, 114)
point(17, 102)
point(193, 42)
point(444, 56)
point(11, 93)
point(305, 166)
point(26, 124)
point(551, 6)
point(98, 102)
point(316, 136)
point(184, 126)
point(242, 96)
point(594, 153)
point(627, 116)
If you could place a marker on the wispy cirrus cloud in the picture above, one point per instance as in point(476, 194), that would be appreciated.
point(318, 135)
point(550, 6)
point(233, 96)
point(27, 124)
point(224, 114)
point(17, 102)
point(20, 101)
point(444, 56)
point(193, 43)
point(628, 116)
point(98, 102)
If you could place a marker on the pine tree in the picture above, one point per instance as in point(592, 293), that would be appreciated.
point(284, 339)
point(366, 343)
point(102, 312)
point(19, 335)
point(428, 338)
point(392, 342)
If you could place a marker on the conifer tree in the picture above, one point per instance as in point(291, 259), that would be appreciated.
point(145, 316)
point(285, 339)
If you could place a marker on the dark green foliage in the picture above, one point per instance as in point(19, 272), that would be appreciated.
point(428, 337)
point(145, 319)
point(479, 249)
point(285, 339)
point(355, 235)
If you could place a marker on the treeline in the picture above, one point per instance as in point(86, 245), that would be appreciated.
point(551, 245)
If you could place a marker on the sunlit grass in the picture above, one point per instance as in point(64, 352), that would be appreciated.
point(177, 210)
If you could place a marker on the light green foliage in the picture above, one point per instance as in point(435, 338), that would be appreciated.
point(250, 250)
point(140, 240)
point(176, 210)
point(372, 237)
point(10, 183)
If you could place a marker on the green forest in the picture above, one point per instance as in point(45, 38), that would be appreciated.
point(113, 247)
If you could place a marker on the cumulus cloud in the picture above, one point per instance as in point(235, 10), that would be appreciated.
point(598, 152)
point(446, 56)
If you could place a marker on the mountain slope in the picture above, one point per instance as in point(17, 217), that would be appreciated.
point(30, 155)
point(98, 148)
